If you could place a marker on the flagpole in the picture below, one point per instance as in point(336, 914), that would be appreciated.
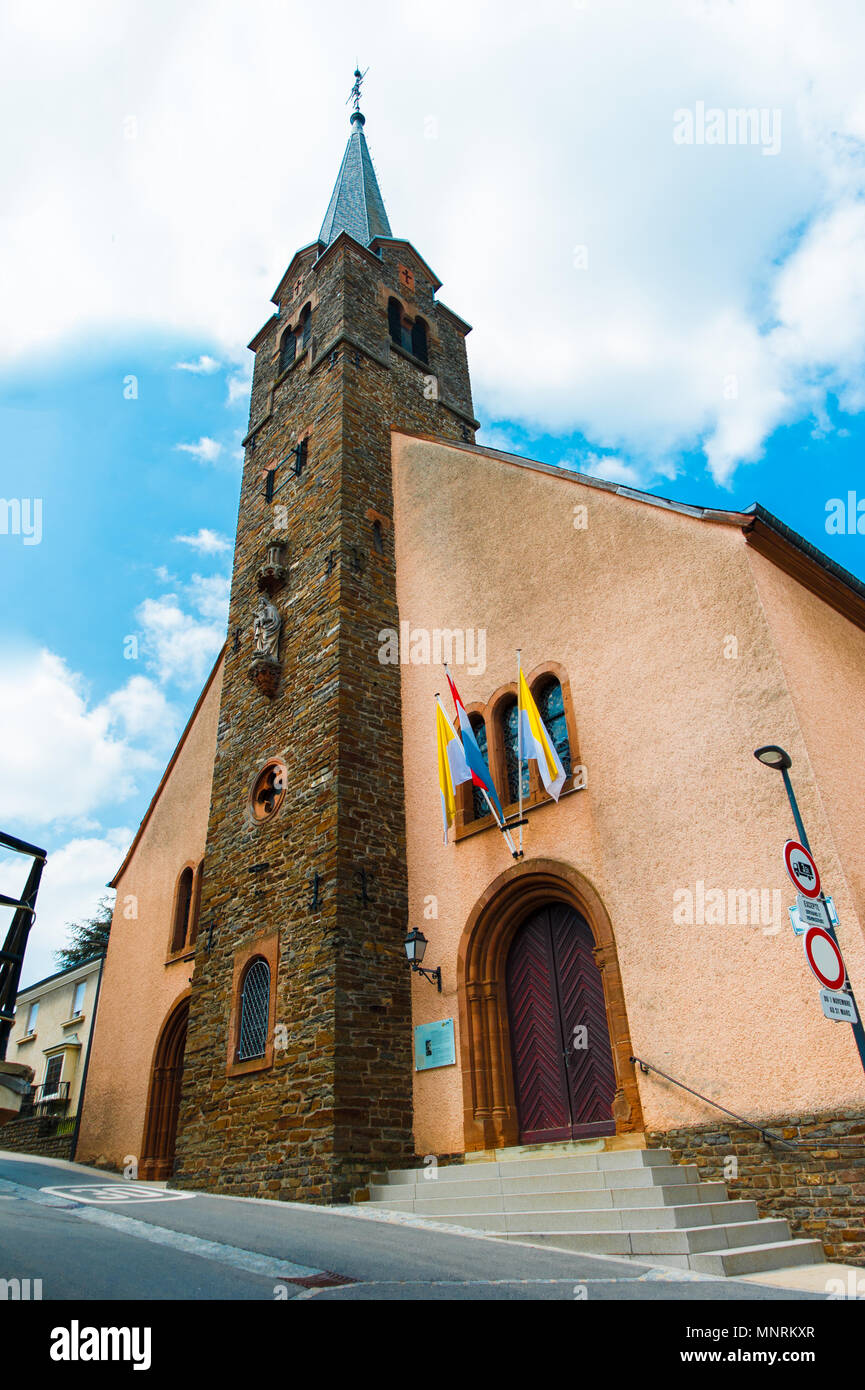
point(503, 828)
point(520, 742)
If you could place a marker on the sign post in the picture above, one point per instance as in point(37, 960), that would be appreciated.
point(819, 940)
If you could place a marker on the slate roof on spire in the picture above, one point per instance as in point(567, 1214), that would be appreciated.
point(356, 205)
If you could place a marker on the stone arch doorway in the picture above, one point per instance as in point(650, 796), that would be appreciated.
point(163, 1101)
point(564, 1080)
point(491, 1112)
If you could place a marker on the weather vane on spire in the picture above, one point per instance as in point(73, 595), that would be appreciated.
point(354, 94)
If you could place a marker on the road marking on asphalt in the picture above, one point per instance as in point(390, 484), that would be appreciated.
point(110, 1193)
point(249, 1260)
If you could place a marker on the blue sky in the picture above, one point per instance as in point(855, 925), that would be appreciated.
point(618, 282)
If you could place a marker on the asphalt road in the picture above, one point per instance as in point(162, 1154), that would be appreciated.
point(89, 1235)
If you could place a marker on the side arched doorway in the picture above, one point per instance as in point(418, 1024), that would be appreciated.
point(492, 1051)
point(564, 1081)
point(163, 1101)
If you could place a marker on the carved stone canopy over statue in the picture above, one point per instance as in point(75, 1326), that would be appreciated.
point(266, 627)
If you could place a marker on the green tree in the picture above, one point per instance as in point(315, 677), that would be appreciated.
point(88, 938)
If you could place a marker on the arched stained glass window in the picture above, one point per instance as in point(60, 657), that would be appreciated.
point(287, 349)
point(196, 903)
point(552, 710)
point(254, 1011)
point(305, 326)
point(511, 745)
point(479, 802)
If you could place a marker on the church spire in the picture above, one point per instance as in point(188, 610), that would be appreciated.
point(356, 205)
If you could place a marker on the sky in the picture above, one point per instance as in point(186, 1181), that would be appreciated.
point(661, 296)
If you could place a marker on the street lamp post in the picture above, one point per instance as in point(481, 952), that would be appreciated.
point(771, 755)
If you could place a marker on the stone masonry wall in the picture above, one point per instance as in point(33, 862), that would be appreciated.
point(820, 1189)
point(315, 1117)
point(36, 1135)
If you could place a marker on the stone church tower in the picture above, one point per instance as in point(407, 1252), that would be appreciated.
point(298, 1067)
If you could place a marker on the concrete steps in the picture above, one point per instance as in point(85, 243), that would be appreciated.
point(635, 1203)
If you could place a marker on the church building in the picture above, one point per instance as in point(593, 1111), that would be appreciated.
point(633, 978)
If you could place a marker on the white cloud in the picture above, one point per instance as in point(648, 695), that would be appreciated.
point(73, 881)
point(203, 366)
point(62, 758)
point(611, 469)
point(141, 712)
point(206, 542)
point(206, 450)
point(181, 646)
point(694, 267)
point(239, 385)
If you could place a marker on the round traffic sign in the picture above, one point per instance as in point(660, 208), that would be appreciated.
point(824, 958)
point(802, 869)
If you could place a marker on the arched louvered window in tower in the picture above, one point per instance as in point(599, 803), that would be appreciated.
point(182, 904)
point(479, 803)
point(419, 344)
point(287, 349)
point(254, 1010)
point(394, 321)
point(510, 741)
point(551, 706)
point(305, 326)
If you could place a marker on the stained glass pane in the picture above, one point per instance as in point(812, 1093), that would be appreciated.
point(479, 805)
point(552, 708)
point(512, 756)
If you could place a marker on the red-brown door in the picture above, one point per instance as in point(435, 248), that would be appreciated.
point(563, 1062)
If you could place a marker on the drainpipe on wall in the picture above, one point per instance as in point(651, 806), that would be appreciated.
point(77, 1129)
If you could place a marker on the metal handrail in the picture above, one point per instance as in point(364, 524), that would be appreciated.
point(749, 1124)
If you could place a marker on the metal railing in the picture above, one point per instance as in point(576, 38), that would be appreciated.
point(47, 1097)
point(767, 1134)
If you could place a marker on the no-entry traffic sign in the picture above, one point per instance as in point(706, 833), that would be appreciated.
point(802, 869)
point(824, 958)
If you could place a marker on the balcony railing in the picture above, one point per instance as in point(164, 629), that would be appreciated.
point(46, 1099)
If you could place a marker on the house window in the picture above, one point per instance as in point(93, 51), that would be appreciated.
point(181, 910)
point(287, 350)
point(254, 1010)
point(551, 705)
point(52, 1077)
point(479, 803)
point(419, 345)
point(31, 1017)
point(510, 741)
point(78, 999)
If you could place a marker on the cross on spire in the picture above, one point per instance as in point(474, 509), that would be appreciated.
point(354, 94)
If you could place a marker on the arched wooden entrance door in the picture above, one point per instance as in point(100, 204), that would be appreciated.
point(564, 1077)
point(163, 1105)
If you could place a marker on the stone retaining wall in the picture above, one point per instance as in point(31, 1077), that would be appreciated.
point(36, 1135)
point(820, 1188)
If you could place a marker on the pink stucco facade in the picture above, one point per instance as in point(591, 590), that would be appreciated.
point(685, 650)
point(141, 985)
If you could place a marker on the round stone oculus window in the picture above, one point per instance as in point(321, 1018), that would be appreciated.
point(268, 790)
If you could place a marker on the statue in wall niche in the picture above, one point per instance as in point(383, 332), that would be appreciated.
point(266, 625)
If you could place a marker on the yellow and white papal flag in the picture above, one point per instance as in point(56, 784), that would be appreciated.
point(537, 743)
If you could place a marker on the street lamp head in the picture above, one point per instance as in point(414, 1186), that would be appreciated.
point(773, 756)
point(415, 946)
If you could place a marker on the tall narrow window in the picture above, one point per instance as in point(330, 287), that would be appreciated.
point(394, 321)
point(254, 1010)
point(53, 1072)
point(32, 1016)
point(305, 326)
point(181, 910)
point(552, 710)
point(196, 903)
point(78, 999)
point(419, 340)
point(479, 803)
point(377, 539)
point(287, 349)
point(512, 758)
